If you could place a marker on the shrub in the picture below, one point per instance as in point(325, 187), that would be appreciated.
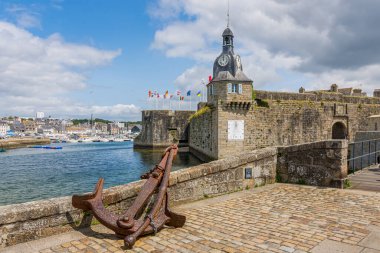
point(262, 103)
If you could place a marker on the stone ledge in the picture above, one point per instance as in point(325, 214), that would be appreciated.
point(329, 144)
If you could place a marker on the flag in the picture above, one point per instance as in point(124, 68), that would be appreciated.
point(158, 95)
point(171, 96)
point(149, 94)
point(166, 94)
point(209, 79)
point(199, 93)
point(178, 92)
point(189, 93)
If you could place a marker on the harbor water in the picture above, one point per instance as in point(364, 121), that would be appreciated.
point(29, 174)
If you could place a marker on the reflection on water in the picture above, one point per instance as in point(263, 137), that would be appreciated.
point(32, 174)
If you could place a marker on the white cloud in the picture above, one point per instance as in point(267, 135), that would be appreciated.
point(37, 73)
point(320, 42)
point(25, 16)
point(193, 78)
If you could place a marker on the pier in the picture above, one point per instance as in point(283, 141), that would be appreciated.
point(22, 142)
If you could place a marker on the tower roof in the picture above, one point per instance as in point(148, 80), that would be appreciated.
point(227, 32)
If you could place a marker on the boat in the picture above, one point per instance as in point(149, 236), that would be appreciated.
point(46, 147)
point(2, 150)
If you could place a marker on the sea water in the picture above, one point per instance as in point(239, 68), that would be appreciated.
point(28, 174)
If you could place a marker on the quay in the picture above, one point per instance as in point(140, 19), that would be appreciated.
point(22, 142)
point(273, 218)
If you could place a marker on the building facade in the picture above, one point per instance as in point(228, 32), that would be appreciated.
point(4, 127)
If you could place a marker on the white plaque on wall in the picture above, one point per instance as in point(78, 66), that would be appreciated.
point(236, 130)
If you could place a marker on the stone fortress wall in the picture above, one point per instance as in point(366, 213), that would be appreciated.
point(285, 119)
point(161, 128)
point(29, 221)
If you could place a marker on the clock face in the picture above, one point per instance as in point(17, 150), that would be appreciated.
point(223, 60)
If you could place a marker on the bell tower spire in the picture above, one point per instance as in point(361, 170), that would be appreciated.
point(228, 14)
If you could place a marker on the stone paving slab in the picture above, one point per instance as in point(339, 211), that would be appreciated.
point(277, 218)
point(367, 179)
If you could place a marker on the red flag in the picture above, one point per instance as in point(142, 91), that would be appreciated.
point(209, 79)
point(149, 93)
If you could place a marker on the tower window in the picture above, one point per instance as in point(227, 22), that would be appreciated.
point(235, 88)
point(227, 41)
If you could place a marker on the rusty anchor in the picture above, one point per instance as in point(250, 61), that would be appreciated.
point(133, 223)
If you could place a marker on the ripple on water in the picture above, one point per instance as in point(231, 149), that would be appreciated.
point(30, 174)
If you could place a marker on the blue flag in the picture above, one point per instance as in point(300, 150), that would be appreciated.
point(189, 93)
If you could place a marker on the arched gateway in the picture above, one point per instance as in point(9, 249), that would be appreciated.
point(339, 131)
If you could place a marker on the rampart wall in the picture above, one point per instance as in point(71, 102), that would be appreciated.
point(281, 119)
point(161, 128)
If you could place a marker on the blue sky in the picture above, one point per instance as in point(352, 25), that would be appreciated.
point(71, 58)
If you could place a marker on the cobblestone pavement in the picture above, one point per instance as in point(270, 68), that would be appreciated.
point(278, 218)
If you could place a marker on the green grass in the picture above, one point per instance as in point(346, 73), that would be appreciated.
point(347, 184)
point(200, 112)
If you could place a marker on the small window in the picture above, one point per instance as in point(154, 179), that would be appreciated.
point(210, 89)
point(229, 88)
point(235, 88)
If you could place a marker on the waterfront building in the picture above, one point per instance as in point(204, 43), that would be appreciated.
point(101, 128)
point(4, 127)
point(113, 128)
point(30, 126)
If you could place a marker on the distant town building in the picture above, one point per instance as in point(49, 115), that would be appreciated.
point(112, 128)
point(101, 128)
point(30, 126)
point(4, 127)
point(136, 129)
point(120, 124)
point(40, 115)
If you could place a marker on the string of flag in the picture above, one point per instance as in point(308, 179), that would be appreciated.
point(176, 95)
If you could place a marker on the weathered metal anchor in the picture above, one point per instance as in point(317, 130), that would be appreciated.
point(132, 223)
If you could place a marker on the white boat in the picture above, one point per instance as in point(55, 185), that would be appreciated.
point(118, 140)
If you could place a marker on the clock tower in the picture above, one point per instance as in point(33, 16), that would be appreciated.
point(229, 82)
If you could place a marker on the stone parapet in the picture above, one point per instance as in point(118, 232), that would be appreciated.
point(317, 96)
point(321, 163)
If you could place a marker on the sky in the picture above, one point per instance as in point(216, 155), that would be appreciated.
point(74, 58)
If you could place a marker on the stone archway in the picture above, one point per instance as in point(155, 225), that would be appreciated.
point(339, 131)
